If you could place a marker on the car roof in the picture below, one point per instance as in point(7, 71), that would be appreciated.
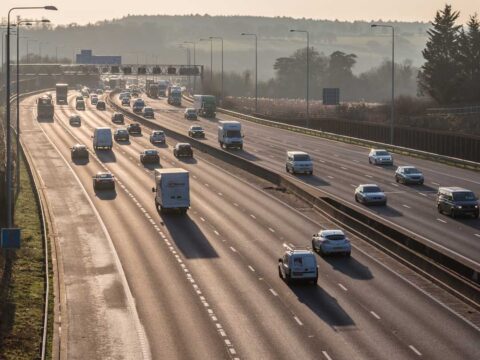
point(379, 150)
point(363, 185)
point(147, 108)
point(158, 132)
point(297, 153)
point(104, 173)
point(331, 232)
point(80, 146)
point(196, 127)
point(183, 144)
point(151, 151)
point(299, 252)
point(453, 189)
point(407, 167)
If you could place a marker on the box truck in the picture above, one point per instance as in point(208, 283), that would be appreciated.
point(205, 105)
point(172, 190)
point(102, 138)
point(61, 93)
point(230, 134)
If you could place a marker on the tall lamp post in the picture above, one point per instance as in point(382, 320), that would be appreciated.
point(194, 62)
point(8, 123)
point(308, 72)
point(19, 23)
point(221, 39)
point(256, 68)
point(211, 58)
point(392, 115)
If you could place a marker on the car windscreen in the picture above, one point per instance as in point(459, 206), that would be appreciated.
point(335, 237)
point(382, 153)
point(464, 196)
point(301, 157)
point(139, 103)
point(197, 128)
point(371, 189)
point(122, 132)
point(104, 176)
point(303, 261)
point(233, 133)
point(411, 171)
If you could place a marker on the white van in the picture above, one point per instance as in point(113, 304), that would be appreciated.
point(299, 162)
point(102, 138)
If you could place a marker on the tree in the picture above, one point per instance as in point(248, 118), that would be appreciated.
point(440, 75)
point(469, 59)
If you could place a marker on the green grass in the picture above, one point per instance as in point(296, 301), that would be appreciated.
point(22, 295)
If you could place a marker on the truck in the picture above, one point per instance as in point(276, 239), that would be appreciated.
point(172, 190)
point(162, 87)
point(45, 107)
point(230, 134)
point(61, 93)
point(174, 95)
point(205, 105)
point(102, 138)
point(152, 90)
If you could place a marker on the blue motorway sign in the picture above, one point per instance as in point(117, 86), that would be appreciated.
point(10, 238)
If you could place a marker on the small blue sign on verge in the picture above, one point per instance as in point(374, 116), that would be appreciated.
point(10, 238)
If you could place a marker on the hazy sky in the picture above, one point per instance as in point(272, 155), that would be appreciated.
point(84, 11)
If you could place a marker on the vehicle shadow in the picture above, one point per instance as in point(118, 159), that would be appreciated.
point(83, 161)
point(123, 142)
point(136, 135)
point(349, 266)
point(106, 194)
point(188, 237)
point(152, 166)
point(186, 160)
point(385, 210)
point(106, 156)
point(76, 125)
point(45, 120)
point(323, 305)
point(468, 221)
point(312, 180)
point(244, 154)
point(158, 145)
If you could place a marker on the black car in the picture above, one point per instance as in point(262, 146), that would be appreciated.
point(149, 156)
point(75, 120)
point(118, 118)
point(79, 151)
point(456, 201)
point(134, 128)
point(101, 105)
point(121, 135)
point(103, 181)
point(196, 131)
point(183, 150)
point(80, 105)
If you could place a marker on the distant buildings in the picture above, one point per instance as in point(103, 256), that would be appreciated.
point(86, 57)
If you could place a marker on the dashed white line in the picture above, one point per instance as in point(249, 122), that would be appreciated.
point(441, 220)
point(207, 185)
point(251, 268)
point(233, 249)
point(326, 355)
point(393, 184)
point(343, 168)
point(353, 185)
point(477, 235)
point(271, 230)
point(298, 321)
point(274, 293)
point(235, 204)
point(368, 176)
point(434, 183)
point(415, 350)
point(216, 232)
point(422, 194)
point(220, 194)
point(342, 287)
point(252, 216)
point(330, 177)
point(201, 218)
point(406, 206)
point(375, 315)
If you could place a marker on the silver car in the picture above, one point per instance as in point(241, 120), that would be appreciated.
point(331, 242)
point(409, 175)
point(380, 157)
point(370, 194)
point(157, 137)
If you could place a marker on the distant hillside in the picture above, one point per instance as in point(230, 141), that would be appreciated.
point(159, 36)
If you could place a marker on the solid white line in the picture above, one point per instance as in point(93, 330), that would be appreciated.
point(415, 350)
point(342, 287)
point(326, 355)
point(375, 315)
point(251, 268)
point(274, 293)
point(298, 321)
point(441, 220)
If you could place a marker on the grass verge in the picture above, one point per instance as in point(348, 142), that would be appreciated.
point(22, 288)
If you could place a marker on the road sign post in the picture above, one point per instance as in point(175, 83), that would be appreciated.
point(10, 238)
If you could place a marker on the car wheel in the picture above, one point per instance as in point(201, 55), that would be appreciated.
point(475, 215)
point(286, 169)
point(452, 213)
point(439, 208)
point(420, 183)
point(280, 273)
point(369, 161)
point(347, 254)
point(313, 246)
point(356, 198)
point(321, 252)
point(396, 179)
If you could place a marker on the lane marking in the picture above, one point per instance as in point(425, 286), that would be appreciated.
point(298, 321)
point(353, 185)
point(235, 204)
point(434, 183)
point(415, 350)
point(251, 268)
point(368, 176)
point(233, 249)
point(393, 184)
point(326, 355)
point(252, 216)
point(216, 232)
point(342, 287)
point(441, 220)
point(477, 235)
point(207, 185)
point(220, 194)
point(343, 168)
point(330, 177)
point(201, 218)
point(422, 194)
point(271, 230)
point(274, 293)
point(286, 246)
point(406, 206)
point(375, 315)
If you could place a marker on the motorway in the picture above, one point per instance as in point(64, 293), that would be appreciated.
point(339, 168)
point(206, 285)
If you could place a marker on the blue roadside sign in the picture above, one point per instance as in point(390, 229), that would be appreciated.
point(10, 238)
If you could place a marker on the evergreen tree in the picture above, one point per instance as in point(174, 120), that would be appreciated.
point(469, 59)
point(440, 75)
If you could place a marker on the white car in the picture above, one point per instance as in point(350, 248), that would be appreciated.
point(298, 265)
point(370, 194)
point(380, 157)
point(299, 162)
point(331, 242)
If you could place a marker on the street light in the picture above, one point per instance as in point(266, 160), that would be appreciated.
point(392, 115)
point(19, 23)
point(211, 59)
point(308, 72)
point(194, 62)
point(8, 124)
point(221, 39)
point(256, 68)
point(187, 52)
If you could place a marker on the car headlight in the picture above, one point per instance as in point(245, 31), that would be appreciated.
point(458, 206)
point(476, 206)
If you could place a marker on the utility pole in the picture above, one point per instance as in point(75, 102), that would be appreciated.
point(220, 38)
point(308, 74)
point(256, 68)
